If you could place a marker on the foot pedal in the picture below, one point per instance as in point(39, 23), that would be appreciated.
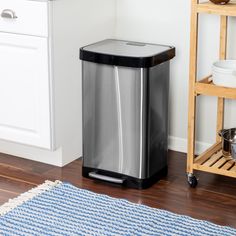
point(105, 178)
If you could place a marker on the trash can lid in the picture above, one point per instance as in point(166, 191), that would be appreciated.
point(126, 53)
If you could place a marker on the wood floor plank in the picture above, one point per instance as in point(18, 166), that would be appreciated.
point(5, 196)
point(214, 199)
point(14, 186)
point(20, 175)
point(27, 165)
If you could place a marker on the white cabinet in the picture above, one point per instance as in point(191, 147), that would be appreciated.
point(24, 90)
point(40, 74)
point(25, 96)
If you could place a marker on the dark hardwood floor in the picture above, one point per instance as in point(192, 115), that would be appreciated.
point(214, 199)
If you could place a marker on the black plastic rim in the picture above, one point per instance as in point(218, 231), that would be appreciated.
point(137, 62)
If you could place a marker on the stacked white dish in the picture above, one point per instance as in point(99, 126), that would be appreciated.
point(224, 73)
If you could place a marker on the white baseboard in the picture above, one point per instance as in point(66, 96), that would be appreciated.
point(180, 145)
point(55, 158)
point(32, 153)
point(59, 157)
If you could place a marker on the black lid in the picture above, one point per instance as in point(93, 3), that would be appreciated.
point(126, 53)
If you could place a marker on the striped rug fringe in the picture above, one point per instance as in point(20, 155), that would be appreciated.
point(13, 203)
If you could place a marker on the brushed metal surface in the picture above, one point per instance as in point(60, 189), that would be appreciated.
point(105, 178)
point(114, 118)
point(228, 142)
point(125, 119)
point(9, 14)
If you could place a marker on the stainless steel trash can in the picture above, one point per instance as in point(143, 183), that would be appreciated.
point(125, 111)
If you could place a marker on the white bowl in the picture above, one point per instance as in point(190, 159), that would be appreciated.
point(224, 73)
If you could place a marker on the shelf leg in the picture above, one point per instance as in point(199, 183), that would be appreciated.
point(222, 56)
point(220, 117)
point(192, 80)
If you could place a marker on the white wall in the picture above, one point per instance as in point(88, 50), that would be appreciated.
point(87, 21)
point(168, 22)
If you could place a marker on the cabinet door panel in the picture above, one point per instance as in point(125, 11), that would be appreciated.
point(24, 90)
point(32, 17)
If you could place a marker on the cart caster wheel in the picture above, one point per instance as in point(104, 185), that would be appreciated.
point(192, 180)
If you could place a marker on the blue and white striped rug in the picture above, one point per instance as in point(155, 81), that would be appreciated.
point(57, 208)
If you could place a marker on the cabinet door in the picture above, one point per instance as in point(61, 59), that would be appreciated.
point(24, 90)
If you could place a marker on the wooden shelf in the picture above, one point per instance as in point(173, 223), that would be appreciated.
point(223, 10)
point(214, 162)
point(206, 87)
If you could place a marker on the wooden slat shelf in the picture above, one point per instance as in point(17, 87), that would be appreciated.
point(206, 87)
point(223, 10)
point(213, 161)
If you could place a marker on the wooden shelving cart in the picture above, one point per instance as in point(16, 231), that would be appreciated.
point(212, 159)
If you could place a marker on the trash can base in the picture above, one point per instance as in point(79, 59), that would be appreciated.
point(128, 181)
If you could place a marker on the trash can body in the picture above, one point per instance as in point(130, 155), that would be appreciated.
point(125, 118)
